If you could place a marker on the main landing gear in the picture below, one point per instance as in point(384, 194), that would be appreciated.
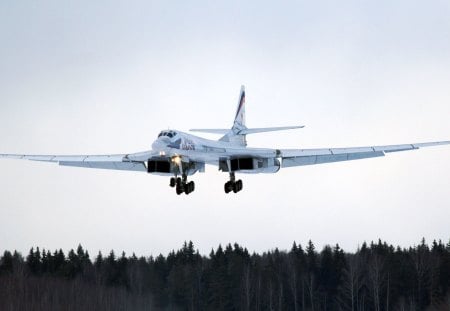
point(233, 185)
point(182, 185)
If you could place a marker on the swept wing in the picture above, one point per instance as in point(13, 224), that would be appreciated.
point(300, 157)
point(112, 161)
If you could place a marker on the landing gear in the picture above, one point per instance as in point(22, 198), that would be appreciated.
point(233, 185)
point(182, 185)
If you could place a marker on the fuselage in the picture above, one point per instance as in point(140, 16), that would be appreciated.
point(171, 141)
point(176, 145)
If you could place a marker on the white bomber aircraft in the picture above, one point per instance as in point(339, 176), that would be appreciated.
point(180, 155)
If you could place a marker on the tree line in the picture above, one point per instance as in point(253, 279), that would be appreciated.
point(376, 277)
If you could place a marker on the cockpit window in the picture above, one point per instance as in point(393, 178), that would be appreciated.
point(168, 134)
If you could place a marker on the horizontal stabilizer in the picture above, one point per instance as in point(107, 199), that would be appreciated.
point(246, 131)
point(268, 129)
point(211, 131)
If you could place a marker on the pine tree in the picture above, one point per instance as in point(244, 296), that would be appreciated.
point(311, 282)
point(98, 260)
point(60, 262)
point(45, 262)
point(34, 261)
point(326, 277)
point(6, 263)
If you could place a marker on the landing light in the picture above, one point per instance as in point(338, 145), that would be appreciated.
point(176, 159)
point(162, 153)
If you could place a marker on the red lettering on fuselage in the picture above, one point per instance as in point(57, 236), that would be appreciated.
point(187, 144)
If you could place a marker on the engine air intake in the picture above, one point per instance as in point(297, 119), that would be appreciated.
point(241, 164)
point(158, 167)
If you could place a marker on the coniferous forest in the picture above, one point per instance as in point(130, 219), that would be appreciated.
point(376, 277)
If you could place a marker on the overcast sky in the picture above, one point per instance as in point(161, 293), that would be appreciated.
point(99, 77)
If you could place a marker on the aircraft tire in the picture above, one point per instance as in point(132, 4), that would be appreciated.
point(173, 182)
point(189, 187)
point(179, 190)
point(239, 185)
point(227, 187)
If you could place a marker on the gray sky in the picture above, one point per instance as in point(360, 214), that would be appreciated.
point(78, 77)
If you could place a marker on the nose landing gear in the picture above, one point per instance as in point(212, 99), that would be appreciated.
point(233, 185)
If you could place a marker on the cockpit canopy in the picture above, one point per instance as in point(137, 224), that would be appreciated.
point(169, 134)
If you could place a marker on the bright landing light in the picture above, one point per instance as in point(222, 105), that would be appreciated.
point(176, 159)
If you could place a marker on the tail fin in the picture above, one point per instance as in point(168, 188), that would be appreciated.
point(238, 132)
point(239, 119)
point(234, 135)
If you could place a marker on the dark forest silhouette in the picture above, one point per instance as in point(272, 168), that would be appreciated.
point(377, 277)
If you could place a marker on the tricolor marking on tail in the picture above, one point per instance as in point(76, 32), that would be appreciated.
point(239, 119)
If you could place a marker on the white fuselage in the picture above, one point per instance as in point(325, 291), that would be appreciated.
point(187, 143)
point(187, 147)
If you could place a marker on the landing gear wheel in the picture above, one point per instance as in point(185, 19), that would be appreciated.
point(173, 182)
point(228, 187)
point(189, 187)
point(239, 185)
point(234, 186)
point(179, 190)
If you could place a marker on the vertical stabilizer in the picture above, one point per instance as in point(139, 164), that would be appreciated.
point(239, 119)
point(234, 136)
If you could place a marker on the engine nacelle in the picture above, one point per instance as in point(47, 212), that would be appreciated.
point(165, 166)
point(160, 166)
point(251, 165)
